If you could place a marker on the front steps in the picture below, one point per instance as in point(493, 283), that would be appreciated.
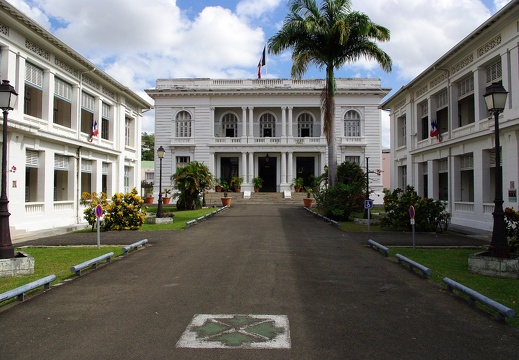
point(214, 198)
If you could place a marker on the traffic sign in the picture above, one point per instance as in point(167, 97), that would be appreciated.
point(411, 212)
point(99, 211)
point(368, 204)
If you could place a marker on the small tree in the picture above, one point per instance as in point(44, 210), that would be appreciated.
point(512, 229)
point(91, 200)
point(192, 181)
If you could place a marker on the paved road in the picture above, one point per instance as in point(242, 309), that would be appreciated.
point(342, 299)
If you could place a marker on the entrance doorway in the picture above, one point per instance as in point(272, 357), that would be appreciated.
point(267, 171)
point(305, 168)
point(229, 168)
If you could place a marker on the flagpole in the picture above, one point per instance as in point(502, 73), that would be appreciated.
point(266, 64)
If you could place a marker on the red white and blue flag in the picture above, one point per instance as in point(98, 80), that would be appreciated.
point(434, 131)
point(262, 62)
point(95, 130)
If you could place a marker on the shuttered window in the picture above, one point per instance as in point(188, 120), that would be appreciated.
point(60, 162)
point(31, 158)
point(34, 75)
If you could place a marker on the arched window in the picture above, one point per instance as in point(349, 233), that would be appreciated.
point(230, 125)
point(352, 124)
point(267, 125)
point(183, 124)
point(305, 124)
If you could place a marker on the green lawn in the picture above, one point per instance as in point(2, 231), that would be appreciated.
point(57, 261)
point(453, 263)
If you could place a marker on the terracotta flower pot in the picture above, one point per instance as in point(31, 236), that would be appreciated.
point(226, 201)
point(166, 201)
point(149, 199)
point(309, 202)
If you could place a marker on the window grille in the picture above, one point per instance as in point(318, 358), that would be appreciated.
point(106, 111)
point(60, 162)
point(305, 123)
point(425, 168)
point(182, 161)
point(424, 108)
point(105, 167)
point(127, 131)
point(63, 89)
point(87, 102)
point(267, 125)
point(443, 100)
point(443, 166)
point(494, 72)
point(466, 87)
point(467, 162)
point(352, 124)
point(31, 158)
point(230, 124)
point(86, 165)
point(352, 159)
point(183, 124)
point(33, 75)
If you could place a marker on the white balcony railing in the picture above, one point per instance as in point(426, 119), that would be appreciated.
point(34, 208)
point(464, 206)
point(63, 205)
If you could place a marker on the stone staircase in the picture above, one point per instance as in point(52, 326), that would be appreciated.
point(213, 198)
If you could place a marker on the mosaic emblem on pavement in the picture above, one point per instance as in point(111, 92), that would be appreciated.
point(237, 332)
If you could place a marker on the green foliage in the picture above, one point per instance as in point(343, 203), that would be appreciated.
point(124, 212)
point(297, 183)
point(257, 182)
point(148, 154)
point(192, 181)
point(430, 215)
point(236, 182)
point(512, 229)
point(346, 196)
point(92, 200)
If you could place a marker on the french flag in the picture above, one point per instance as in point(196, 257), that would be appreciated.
point(262, 62)
point(434, 129)
point(95, 130)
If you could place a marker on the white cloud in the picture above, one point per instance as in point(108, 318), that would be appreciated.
point(256, 8)
point(498, 4)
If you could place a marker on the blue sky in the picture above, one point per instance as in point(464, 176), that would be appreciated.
point(139, 41)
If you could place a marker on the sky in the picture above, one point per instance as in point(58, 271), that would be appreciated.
point(139, 41)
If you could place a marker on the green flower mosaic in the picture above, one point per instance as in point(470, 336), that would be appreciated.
point(237, 330)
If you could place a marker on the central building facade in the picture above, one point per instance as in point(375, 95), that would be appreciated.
point(269, 128)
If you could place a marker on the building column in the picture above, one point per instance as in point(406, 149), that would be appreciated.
point(251, 167)
point(243, 167)
point(251, 121)
point(290, 166)
point(283, 168)
point(480, 81)
point(244, 121)
point(323, 161)
point(283, 122)
point(290, 108)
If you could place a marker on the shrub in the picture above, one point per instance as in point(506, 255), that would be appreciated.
point(346, 196)
point(124, 212)
point(192, 181)
point(512, 229)
point(92, 200)
point(430, 214)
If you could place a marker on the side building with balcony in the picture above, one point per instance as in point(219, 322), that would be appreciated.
point(268, 128)
point(442, 136)
point(62, 97)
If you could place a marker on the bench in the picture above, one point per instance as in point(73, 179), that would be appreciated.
point(375, 245)
point(413, 264)
point(20, 291)
point(474, 296)
point(128, 248)
point(91, 263)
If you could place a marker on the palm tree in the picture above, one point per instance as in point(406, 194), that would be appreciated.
point(328, 37)
point(192, 181)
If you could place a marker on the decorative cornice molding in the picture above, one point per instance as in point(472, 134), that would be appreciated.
point(438, 80)
point(422, 90)
point(462, 64)
point(489, 45)
point(60, 63)
point(4, 29)
point(37, 49)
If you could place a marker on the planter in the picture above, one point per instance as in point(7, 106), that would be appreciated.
point(237, 189)
point(218, 189)
point(226, 201)
point(149, 199)
point(309, 202)
point(483, 264)
point(166, 201)
point(256, 190)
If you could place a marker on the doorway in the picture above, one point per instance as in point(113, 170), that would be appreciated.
point(267, 171)
point(305, 168)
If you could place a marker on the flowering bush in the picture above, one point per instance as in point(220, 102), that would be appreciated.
point(92, 200)
point(124, 212)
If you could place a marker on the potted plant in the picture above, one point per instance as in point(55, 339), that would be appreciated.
point(308, 201)
point(166, 199)
point(297, 184)
point(258, 183)
point(236, 182)
point(149, 199)
point(218, 185)
point(226, 201)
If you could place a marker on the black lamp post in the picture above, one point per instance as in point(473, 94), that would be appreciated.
point(495, 98)
point(160, 154)
point(366, 196)
point(8, 98)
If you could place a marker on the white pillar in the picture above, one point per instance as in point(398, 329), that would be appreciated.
point(283, 123)
point(290, 108)
point(251, 121)
point(251, 167)
point(243, 169)
point(290, 166)
point(283, 168)
point(244, 121)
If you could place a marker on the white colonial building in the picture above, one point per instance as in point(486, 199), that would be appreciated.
point(458, 165)
point(271, 128)
point(51, 156)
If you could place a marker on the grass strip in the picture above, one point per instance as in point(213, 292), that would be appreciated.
point(453, 263)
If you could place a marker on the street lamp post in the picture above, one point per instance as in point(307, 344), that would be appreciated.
point(495, 98)
point(8, 98)
point(160, 154)
point(366, 196)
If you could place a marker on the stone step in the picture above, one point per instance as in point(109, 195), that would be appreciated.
point(214, 198)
